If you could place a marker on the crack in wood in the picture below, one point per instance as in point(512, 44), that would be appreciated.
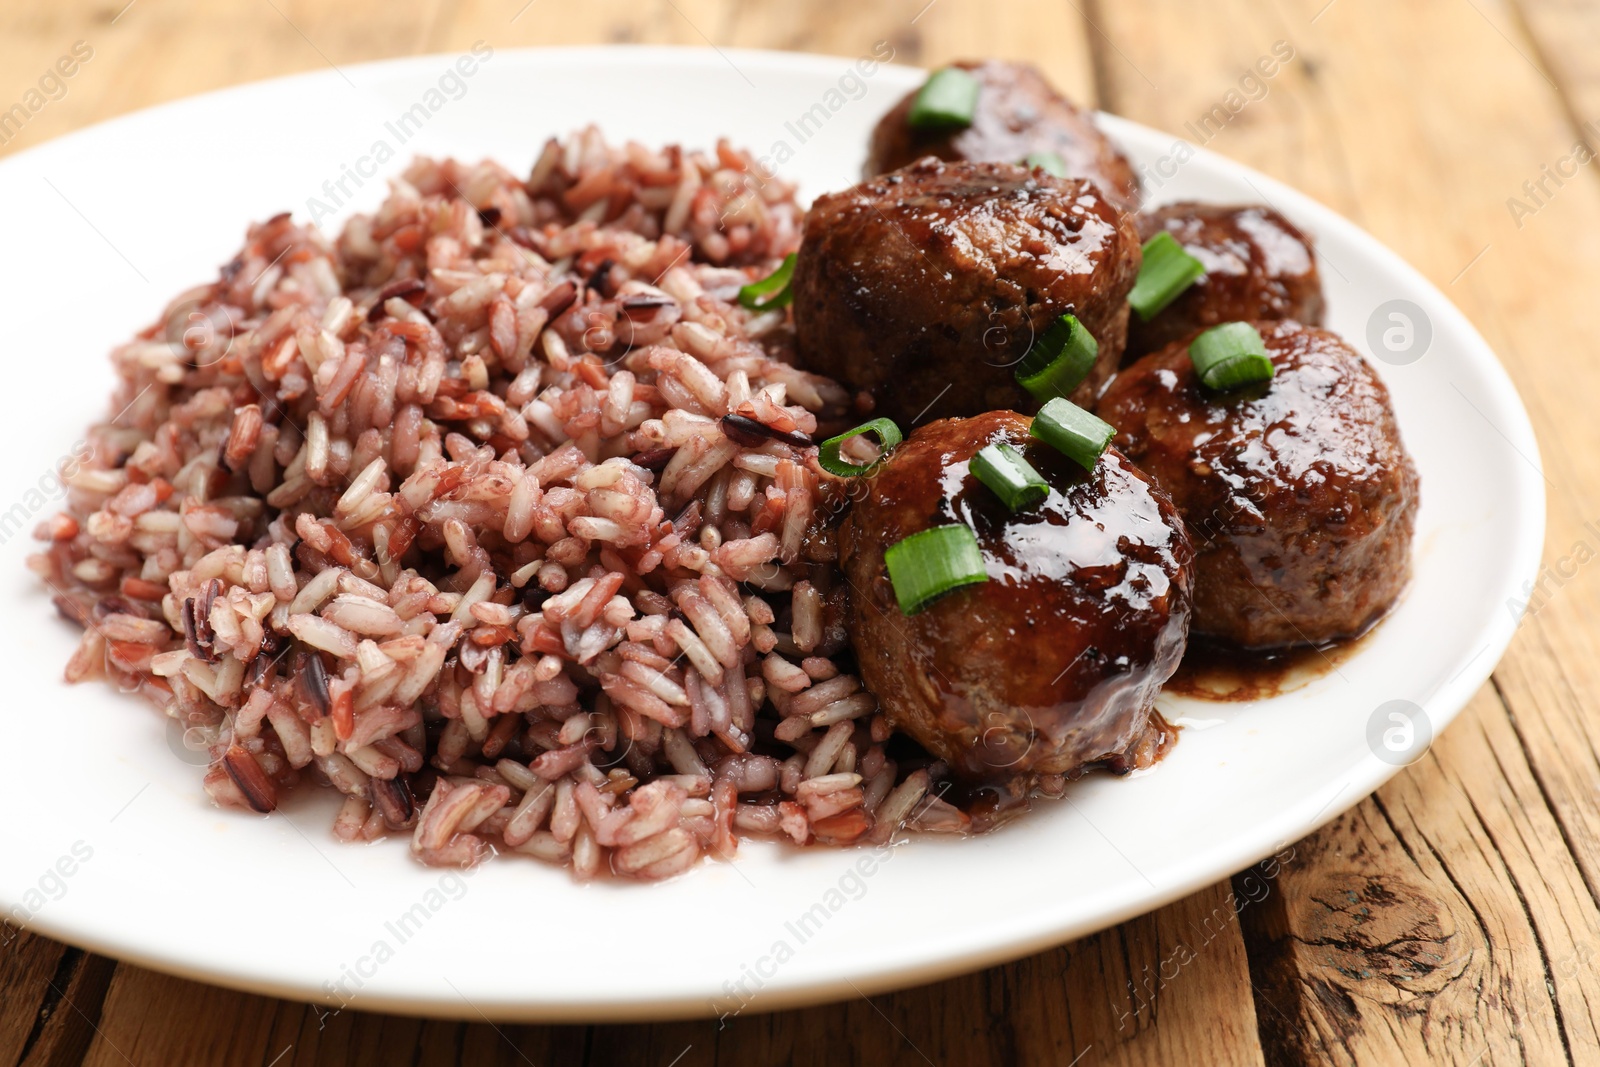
point(55, 993)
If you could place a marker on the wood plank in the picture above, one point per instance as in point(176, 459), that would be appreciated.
point(1441, 919)
point(1168, 987)
point(50, 999)
point(159, 50)
point(69, 1020)
point(156, 1018)
point(547, 23)
point(1566, 42)
point(1529, 268)
point(1045, 32)
point(159, 1019)
point(26, 968)
point(1483, 856)
point(1554, 672)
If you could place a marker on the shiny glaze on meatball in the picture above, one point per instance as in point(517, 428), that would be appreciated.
point(926, 287)
point(1054, 662)
point(1258, 266)
point(1018, 113)
point(1298, 494)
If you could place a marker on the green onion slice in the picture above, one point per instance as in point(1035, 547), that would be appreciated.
point(750, 295)
point(1073, 432)
point(1230, 356)
point(948, 99)
point(1059, 360)
point(1013, 479)
point(1049, 162)
point(887, 433)
point(1166, 272)
point(927, 565)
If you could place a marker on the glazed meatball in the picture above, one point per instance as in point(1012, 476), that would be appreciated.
point(925, 287)
point(1298, 493)
point(1258, 266)
point(1054, 662)
point(1018, 113)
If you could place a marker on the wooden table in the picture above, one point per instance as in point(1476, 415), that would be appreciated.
point(1451, 918)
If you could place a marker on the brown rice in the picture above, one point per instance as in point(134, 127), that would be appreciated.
point(492, 514)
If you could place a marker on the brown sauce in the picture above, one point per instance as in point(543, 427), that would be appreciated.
point(1209, 671)
point(1215, 672)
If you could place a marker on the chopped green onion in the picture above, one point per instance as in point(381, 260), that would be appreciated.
point(1073, 432)
point(927, 565)
point(887, 433)
point(1230, 356)
point(750, 295)
point(1049, 162)
point(949, 98)
point(1166, 272)
point(1013, 479)
point(1059, 360)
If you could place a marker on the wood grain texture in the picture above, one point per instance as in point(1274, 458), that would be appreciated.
point(49, 999)
point(1170, 984)
point(1453, 917)
point(1437, 920)
point(1445, 919)
point(1565, 41)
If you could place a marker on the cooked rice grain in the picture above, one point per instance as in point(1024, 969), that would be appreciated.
point(492, 515)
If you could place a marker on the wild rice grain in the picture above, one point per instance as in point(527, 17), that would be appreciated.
point(490, 519)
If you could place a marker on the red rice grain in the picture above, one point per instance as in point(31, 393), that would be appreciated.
point(492, 513)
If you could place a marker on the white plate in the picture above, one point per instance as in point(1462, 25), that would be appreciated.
point(105, 225)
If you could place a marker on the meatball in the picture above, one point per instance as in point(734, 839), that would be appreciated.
point(925, 287)
point(1054, 662)
point(1258, 266)
point(1298, 493)
point(1018, 113)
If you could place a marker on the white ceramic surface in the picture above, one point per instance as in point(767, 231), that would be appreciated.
point(105, 225)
